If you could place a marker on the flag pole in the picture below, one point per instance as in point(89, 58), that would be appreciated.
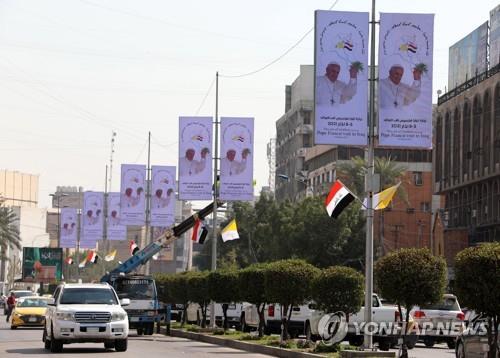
point(214, 225)
point(368, 339)
point(148, 239)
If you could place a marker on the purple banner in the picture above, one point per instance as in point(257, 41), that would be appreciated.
point(92, 216)
point(341, 78)
point(405, 80)
point(69, 228)
point(163, 196)
point(115, 230)
point(133, 194)
point(195, 158)
point(236, 164)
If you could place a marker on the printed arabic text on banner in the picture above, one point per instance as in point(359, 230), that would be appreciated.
point(133, 194)
point(405, 80)
point(236, 164)
point(341, 77)
point(115, 229)
point(195, 158)
point(69, 228)
point(92, 218)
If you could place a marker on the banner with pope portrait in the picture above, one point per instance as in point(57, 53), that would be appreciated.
point(405, 80)
point(162, 195)
point(236, 163)
point(69, 228)
point(133, 194)
point(115, 229)
point(92, 219)
point(341, 77)
point(195, 158)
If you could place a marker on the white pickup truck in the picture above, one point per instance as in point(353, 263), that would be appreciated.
point(298, 325)
point(383, 316)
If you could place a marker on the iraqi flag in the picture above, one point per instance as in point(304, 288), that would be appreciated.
point(200, 232)
point(69, 261)
point(338, 198)
point(92, 257)
point(133, 248)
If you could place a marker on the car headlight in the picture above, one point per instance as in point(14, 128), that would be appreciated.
point(65, 316)
point(118, 316)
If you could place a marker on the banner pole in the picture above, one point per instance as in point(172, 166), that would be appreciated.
point(147, 239)
point(368, 339)
point(214, 214)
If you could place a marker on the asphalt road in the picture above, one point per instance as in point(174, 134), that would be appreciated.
point(27, 342)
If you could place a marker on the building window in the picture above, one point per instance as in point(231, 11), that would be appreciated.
point(417, 178)
point(425, 207)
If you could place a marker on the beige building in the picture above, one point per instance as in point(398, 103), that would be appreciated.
point(18, 189)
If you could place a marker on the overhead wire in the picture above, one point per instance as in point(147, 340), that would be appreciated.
point(279, 57)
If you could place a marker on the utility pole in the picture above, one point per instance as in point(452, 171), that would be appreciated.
point(368, 339)
point(216, 189)
point(148, 202)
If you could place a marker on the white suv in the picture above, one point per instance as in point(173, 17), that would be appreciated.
point(86, 313)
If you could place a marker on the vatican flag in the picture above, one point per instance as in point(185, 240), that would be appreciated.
point(111, 256)
point(230, 232)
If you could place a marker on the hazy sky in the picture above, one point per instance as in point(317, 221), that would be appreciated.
point(73, 71)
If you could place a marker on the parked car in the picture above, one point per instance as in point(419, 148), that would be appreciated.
point(81, 313)
point(473, 341)
point(29, 312)
point(233, 314)
point(383, 315)
point(299, 324)
point(440, 322)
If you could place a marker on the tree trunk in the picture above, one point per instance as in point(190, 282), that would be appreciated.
point(184, 315)
point(404, 348)
point(260, 311)
point(224, 311)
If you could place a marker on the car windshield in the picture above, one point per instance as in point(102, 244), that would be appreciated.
point(74, 296)
point(33, 302)
point(448, 304)
point(135, 289)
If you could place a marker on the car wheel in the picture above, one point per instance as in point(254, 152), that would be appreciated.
point(150, 329)
point(460, 350)
point(243, 324)
point(56, 346)
point(109, 345)
point(121, 345)
point(429, 342)
point(13, 327)
point(411, 341)
point(451, 344)
point(384, 344)
point(44, 339)
point(356, 341)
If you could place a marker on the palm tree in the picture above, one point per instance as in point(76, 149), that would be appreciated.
point(9, 236)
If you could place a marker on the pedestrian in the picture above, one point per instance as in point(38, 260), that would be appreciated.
point(11, 303)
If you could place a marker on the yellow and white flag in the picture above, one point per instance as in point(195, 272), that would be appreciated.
point(383, 199)
point(230, 232)
point(111, 256)
point(82, 264)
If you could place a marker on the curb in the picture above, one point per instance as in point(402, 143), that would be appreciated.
point(245, 346)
